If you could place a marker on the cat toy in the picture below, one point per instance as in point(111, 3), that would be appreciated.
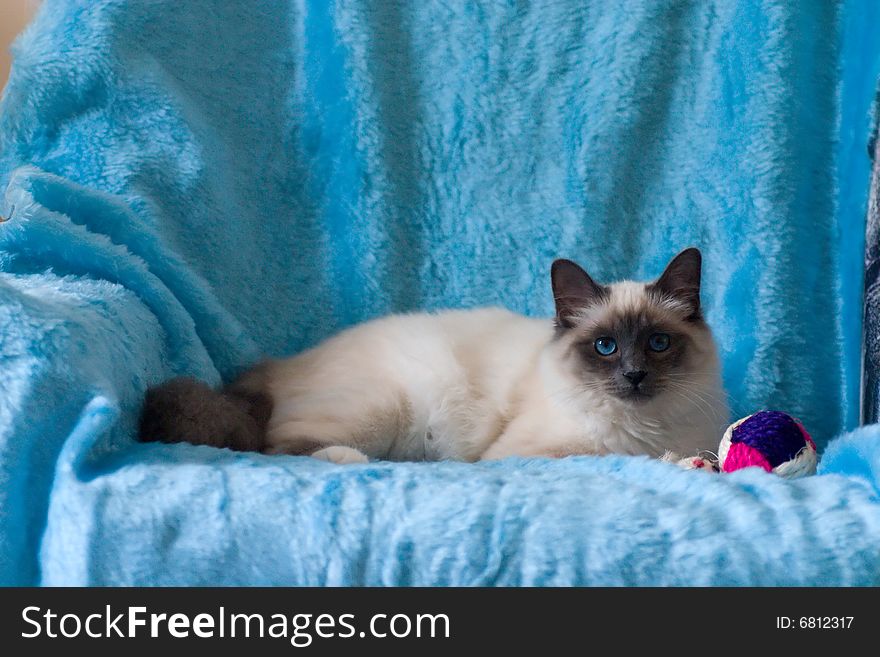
point(771, 440)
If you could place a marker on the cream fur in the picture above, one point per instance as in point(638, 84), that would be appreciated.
point(478, 384)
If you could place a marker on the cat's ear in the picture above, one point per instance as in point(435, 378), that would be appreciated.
point(573, 290)
point(681, 280)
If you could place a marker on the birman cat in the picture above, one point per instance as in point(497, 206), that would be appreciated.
point(626, 368)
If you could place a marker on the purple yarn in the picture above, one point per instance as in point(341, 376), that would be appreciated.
point(773, 433)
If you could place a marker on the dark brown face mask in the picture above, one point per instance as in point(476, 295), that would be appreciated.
point(637, 353)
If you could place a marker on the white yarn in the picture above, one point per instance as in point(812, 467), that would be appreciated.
point(724, 445)
point(802, 465)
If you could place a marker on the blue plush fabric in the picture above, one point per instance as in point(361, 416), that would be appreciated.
point(190, 186)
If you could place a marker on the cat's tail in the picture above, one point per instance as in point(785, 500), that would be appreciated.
point(186, 410)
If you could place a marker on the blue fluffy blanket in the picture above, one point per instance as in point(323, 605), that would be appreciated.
point(191, 186)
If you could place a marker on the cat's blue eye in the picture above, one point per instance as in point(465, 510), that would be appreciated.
point(659, 342)
point(606, 346)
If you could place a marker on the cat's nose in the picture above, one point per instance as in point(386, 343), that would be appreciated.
point(635, 376)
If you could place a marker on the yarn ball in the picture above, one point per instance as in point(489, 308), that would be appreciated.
point(771, 440)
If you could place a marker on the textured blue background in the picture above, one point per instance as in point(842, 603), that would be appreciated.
point(194, 185)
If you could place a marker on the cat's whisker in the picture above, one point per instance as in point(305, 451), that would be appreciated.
point(696, 404)
point(711, 400)
point(688, 377)
point(692, 395)
point(685, 379)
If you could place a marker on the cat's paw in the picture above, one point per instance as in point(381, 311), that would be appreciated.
point(341, 455)
point(703, 461)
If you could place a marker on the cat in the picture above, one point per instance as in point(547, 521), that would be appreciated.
point(626, 368)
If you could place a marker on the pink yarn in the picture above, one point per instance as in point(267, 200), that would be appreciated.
point(741, 456)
